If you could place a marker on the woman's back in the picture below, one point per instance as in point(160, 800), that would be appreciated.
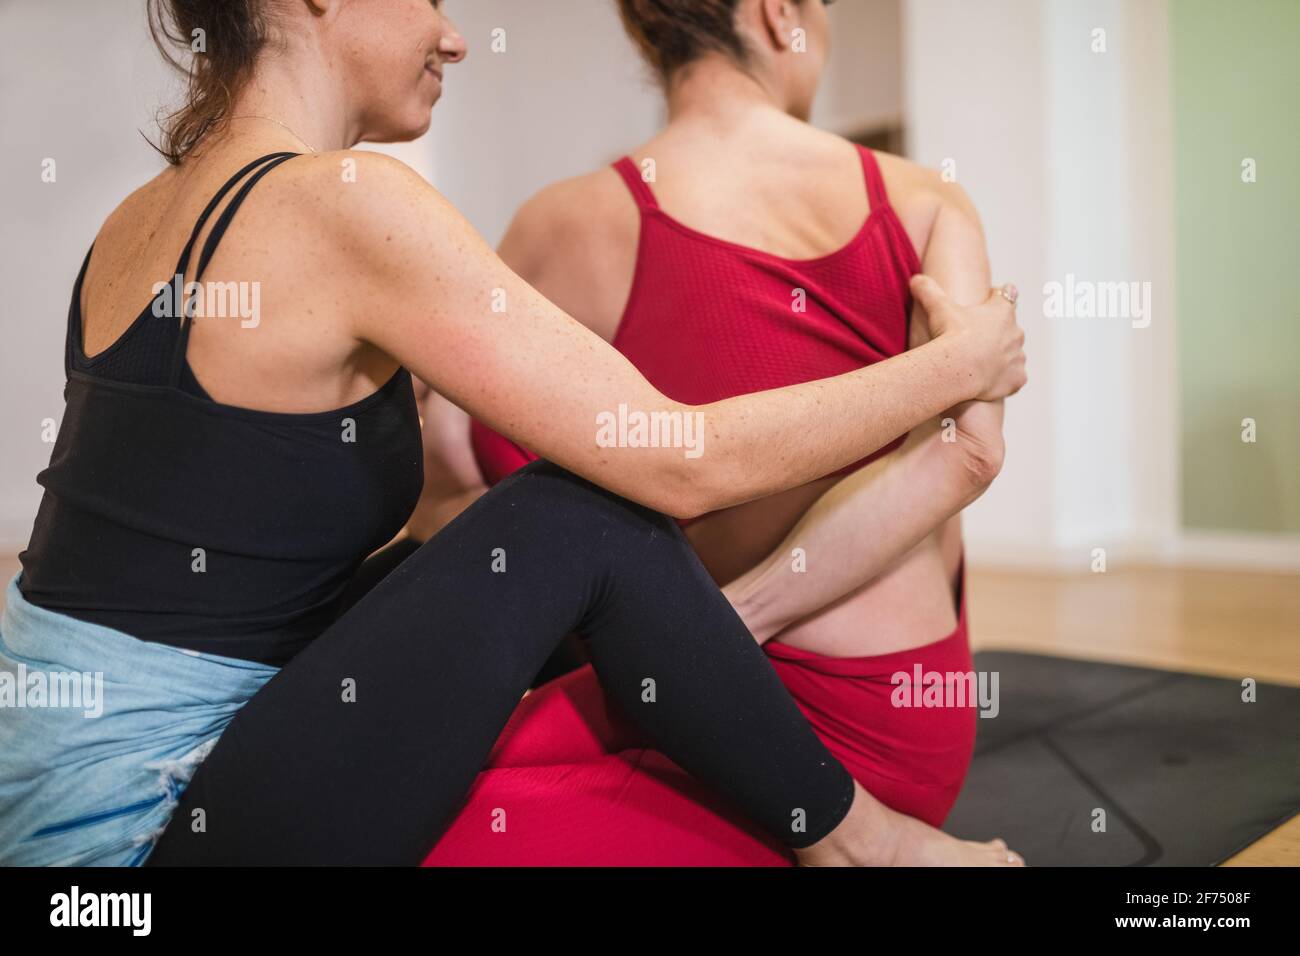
point(795, 203)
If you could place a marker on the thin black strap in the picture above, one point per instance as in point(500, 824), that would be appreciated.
point(267, 163)
point(228, 214)
point(74, 316)
point(183, 263)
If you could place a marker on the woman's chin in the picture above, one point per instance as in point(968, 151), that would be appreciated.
point(404, 132)
point(424, 125)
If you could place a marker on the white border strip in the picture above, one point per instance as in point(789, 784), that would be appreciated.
point(1207, 550)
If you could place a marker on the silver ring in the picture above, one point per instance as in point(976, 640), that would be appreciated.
point(1010, 293)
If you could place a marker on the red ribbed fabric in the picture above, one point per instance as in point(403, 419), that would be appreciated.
point(708, 319)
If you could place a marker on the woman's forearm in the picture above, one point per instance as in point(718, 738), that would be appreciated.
point(862, 527)
point(766, 442)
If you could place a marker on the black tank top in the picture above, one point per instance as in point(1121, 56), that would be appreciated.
point(205, 526)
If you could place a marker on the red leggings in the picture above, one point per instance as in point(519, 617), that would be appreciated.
point(570, 782)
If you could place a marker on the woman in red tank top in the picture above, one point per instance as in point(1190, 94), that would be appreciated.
point(797, 267)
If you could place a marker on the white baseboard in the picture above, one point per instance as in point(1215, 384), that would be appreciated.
point(1235, 551)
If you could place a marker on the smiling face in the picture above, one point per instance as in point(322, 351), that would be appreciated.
point(393, 54)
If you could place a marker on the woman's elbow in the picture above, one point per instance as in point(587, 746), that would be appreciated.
point(685, 491)
point(684, 501)
point(981, 464)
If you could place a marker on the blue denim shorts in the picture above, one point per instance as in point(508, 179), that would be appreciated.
point(100, 732)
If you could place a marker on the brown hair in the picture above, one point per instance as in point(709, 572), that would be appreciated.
point(233, 35)
point(675, 33)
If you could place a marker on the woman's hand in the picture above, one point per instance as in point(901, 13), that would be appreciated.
point(987, 333)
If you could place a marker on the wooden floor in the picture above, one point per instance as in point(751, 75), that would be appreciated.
point(1228, 624)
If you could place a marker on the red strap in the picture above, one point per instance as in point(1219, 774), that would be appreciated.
point(875, 182)
point(641, 190)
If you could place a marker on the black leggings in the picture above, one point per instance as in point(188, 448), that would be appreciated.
point(567, 657)
point(440, 651)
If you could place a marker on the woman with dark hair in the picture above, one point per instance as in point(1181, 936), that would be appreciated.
point(743, 249)
point(218, 481)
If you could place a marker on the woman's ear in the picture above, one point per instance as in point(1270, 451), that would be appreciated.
point(779, 19)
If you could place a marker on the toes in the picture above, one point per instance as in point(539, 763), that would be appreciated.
point(1003, 855)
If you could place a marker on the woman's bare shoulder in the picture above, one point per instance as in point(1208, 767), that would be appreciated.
point(358, 212)
point(919, 194)
point(354, 185)
point(575, 241)
point(585, 211)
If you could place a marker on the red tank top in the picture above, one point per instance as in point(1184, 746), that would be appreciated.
point(709, 319)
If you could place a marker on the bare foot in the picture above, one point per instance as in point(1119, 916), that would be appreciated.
point(919, 844)
point(874, 835)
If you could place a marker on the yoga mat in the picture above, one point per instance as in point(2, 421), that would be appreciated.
point(1186, 772)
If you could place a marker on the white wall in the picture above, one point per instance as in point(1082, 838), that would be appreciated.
point(566, 96)
point(1067, 154)
point(78, 79)
point(959, 58)
point(863, 86)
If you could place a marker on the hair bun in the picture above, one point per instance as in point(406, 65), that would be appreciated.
point(674, 33)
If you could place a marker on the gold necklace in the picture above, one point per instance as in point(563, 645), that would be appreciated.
point(284, 127)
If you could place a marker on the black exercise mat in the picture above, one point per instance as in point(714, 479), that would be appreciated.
point(1186, 772)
